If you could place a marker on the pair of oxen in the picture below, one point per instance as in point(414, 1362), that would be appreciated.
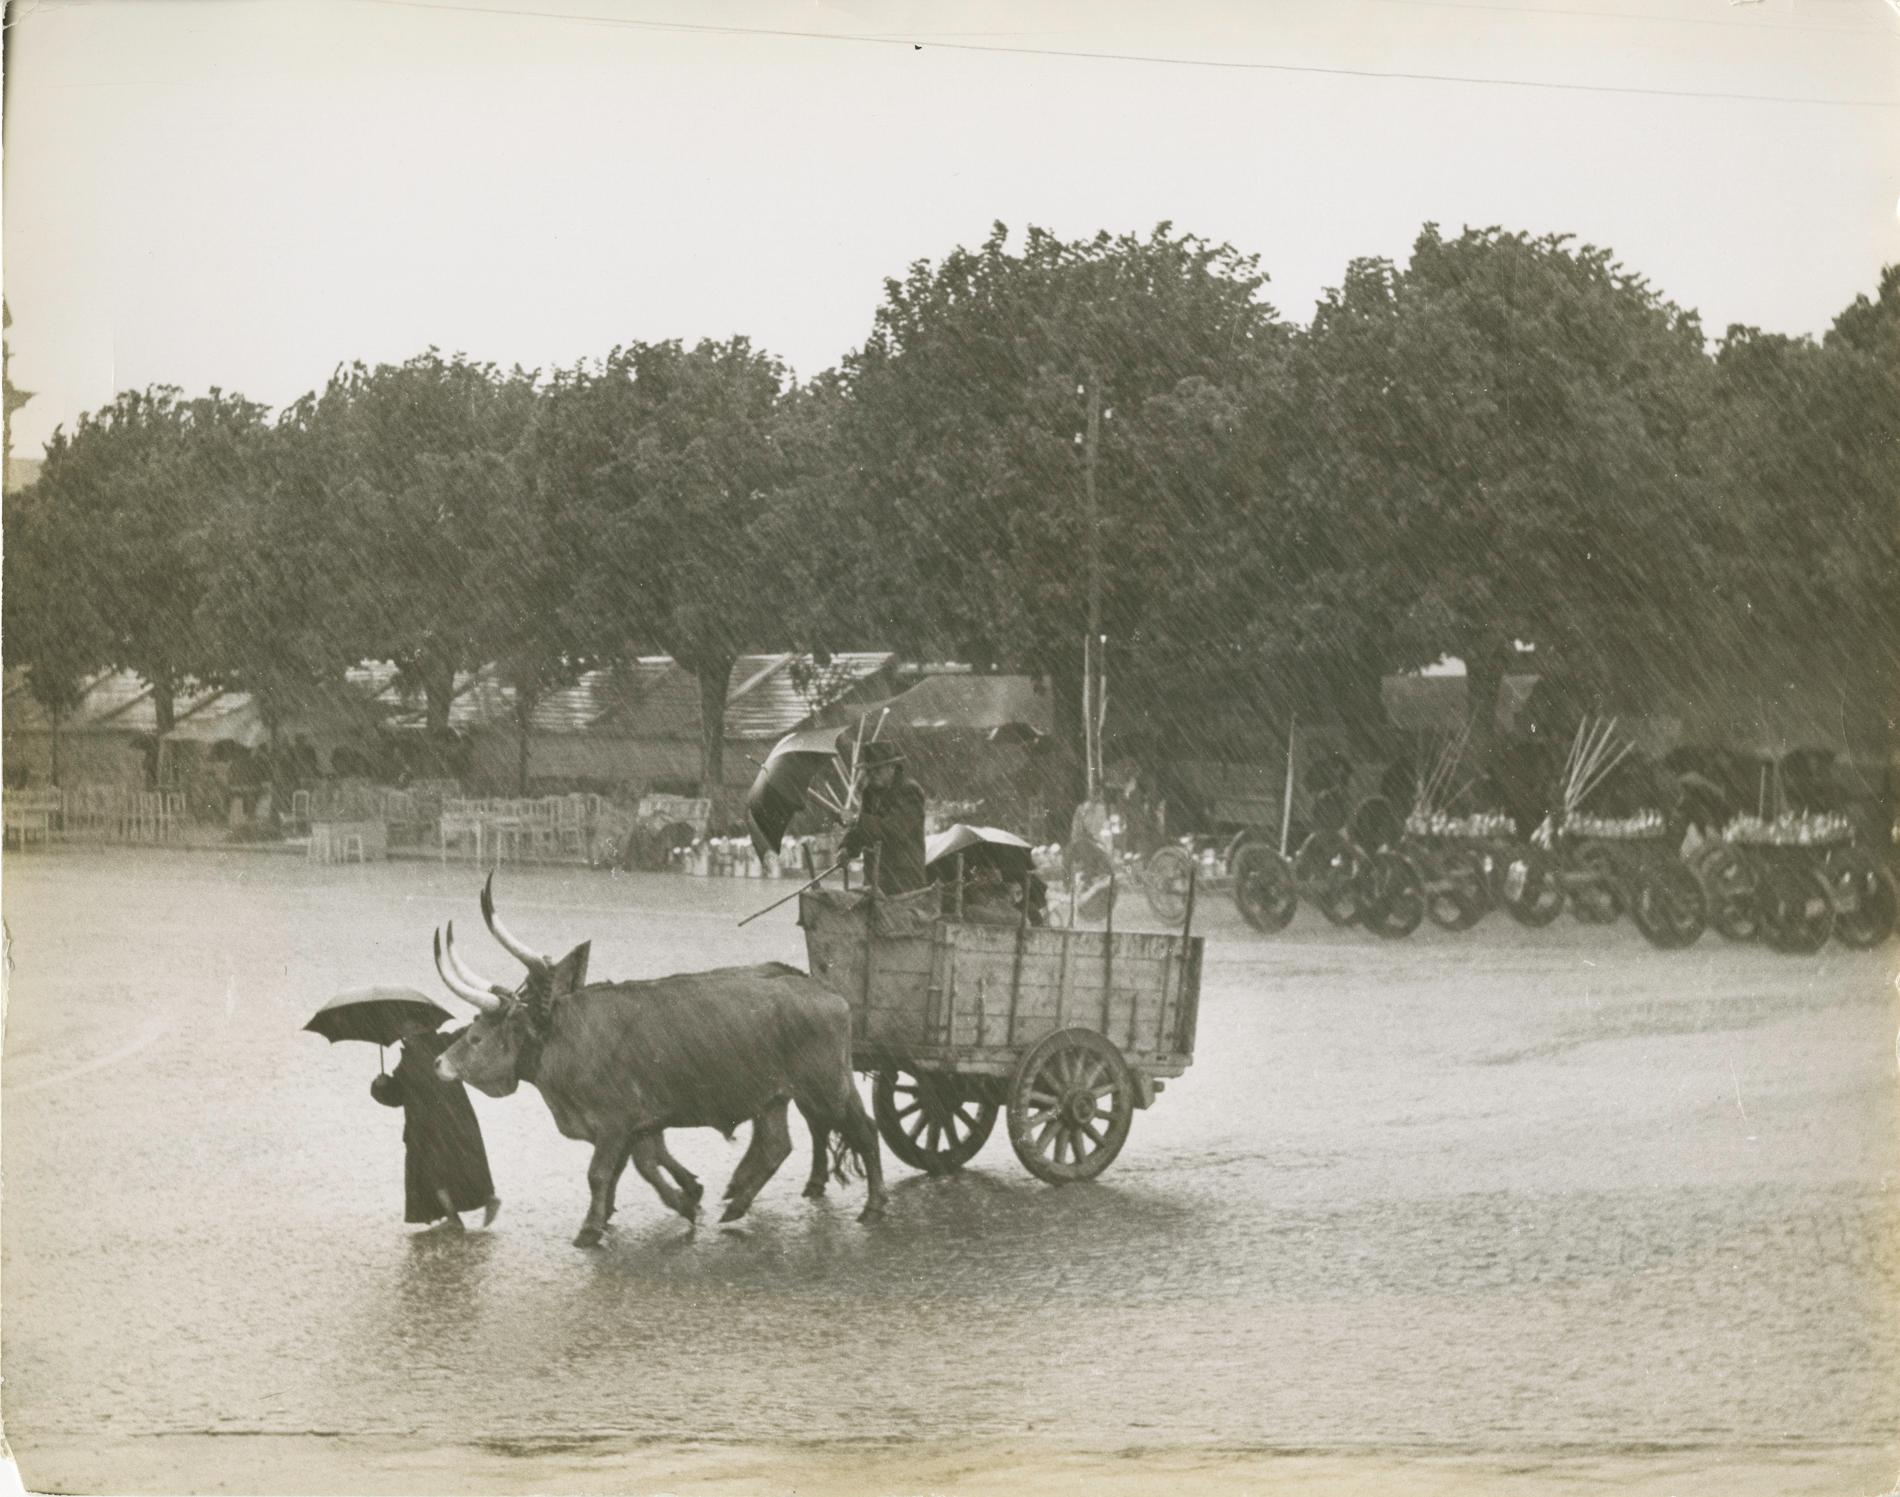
point(619, 1063)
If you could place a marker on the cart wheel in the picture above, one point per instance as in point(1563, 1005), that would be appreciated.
point(1669, 908)
point(1264, 888)
point(1392, 899)
point(1599, 899)
point(930, 1124)
point(1455, 896)
point(1863, 896)
point(1070, 1104)
point(1164, 879)
point(1797, 909)
point(1731, 890)
point(1328, 867)
point(1527, 886)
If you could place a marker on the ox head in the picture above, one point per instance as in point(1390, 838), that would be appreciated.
point(497, 1051)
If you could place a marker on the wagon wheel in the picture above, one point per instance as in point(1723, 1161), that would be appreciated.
point(1797, 909)
point(1164, 879)
point(1599, 899)
point(929, 1123)
point(1527, 886)
point(1732, 891)
point(1669, 908)
point(1070, 1104)
point(1863, 896)
point(1392, 895)
point(1327, 867)
point(1455, 896)
point(1264, 888)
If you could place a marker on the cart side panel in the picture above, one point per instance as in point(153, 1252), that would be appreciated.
point(893, 1000)
point(1060, 983)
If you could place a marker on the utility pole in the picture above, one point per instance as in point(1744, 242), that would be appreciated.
point(1093, 647)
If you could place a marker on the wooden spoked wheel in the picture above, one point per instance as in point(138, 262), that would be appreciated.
point(1164, 879)
point(1528, 886)
point(1456, 895)
point(1598, 898)
point(929, 1122)
point(1669, 907)
point(1070, 1104)
point(1392, 902)
point(1864, 898)
point(1731, 889)
point(1797, 908)
point(1264, 888)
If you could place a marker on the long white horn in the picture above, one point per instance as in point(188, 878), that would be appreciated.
point(486, 1002)
point(532, 960)
point(467, 973)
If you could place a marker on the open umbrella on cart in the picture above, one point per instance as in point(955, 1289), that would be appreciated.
point(979, 847)
point(380, 1016)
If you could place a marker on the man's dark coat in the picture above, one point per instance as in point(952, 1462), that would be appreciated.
point(891, 832)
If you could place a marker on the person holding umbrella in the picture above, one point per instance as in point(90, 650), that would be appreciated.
point(445, 1166)
point(889, 828)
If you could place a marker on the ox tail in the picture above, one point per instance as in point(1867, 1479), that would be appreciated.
point(847, 1162)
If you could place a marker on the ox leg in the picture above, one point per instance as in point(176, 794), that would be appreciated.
point(649, 1153)
point(820, 1156)
point(861, 1134)
point(688, 1183)
point(771, 1146)
point(610, 1158)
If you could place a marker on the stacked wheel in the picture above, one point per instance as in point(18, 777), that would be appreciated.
point(1164, 880)
point(1327, 867)
point(1862, 893)
point(1525, 883)
point(1599, 898)
point(1391, 895)
point(1265, 888)
point(1456, 895)
point(1731, 891)
point(1668, 905)
point(1797, 908)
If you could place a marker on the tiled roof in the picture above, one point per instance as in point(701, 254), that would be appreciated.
point(971, 701)
point(769, 695)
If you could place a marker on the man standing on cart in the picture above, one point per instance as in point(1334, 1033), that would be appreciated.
point(889, 830)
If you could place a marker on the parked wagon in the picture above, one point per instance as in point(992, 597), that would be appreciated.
point(1067, 1032)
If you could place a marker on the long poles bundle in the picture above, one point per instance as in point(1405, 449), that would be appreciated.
point(1594, 754)
point(1440, 773)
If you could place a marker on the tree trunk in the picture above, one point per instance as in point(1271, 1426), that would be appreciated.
point(1067, 739)
point(524, 730)
point(164, 705)
point(1485, 662)
point(714, 678)
point(438, 690)
point(57, 716)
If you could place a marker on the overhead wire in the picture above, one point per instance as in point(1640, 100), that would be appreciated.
point(1076, 54)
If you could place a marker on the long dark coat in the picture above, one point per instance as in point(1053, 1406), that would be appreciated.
point(441, 1138)
point(891, 828)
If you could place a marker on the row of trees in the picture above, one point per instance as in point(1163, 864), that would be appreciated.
point(1508, 441)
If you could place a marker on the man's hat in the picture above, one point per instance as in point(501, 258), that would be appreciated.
point(874, 754)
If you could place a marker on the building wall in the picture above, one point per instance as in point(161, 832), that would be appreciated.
point(84, 758)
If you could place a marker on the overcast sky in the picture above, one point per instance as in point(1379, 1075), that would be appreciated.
point(247, 193)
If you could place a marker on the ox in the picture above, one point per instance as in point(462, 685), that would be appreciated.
point(619, 1063)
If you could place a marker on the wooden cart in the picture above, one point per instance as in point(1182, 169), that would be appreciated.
point(1067, 1031)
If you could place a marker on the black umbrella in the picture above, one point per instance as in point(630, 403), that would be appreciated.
point(379, 1015)
point(797, 762)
